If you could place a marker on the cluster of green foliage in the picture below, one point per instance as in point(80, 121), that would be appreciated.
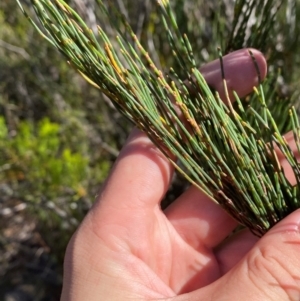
point(45, 169)
point(57, 140)
point(59, 136)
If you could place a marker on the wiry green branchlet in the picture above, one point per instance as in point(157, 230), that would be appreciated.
point(219, 146)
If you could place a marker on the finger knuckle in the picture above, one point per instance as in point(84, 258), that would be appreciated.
point(276, 270)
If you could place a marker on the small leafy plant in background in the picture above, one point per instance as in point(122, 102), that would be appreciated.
point(46, 168)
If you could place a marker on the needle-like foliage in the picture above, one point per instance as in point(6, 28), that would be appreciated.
point(227, 151)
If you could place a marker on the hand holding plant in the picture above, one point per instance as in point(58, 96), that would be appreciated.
point(128, 249)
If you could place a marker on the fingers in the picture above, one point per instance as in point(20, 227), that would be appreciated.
point(288, 170)
point(240, 72)
point(139, 178)
point(233, 249)
point(199, 220)
point(271, 270)
point(194, 215)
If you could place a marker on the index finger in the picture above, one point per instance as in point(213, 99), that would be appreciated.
point(240, 72)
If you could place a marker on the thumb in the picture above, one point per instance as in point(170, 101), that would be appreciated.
point(270, 271)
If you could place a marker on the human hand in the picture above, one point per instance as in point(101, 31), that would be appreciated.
point(127, 248)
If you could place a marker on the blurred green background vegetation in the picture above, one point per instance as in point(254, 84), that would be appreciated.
point(59, 136)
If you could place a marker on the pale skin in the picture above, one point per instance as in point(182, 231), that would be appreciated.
point(127, 248)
